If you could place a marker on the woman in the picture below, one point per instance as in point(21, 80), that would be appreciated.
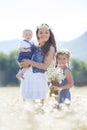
point(34, 85)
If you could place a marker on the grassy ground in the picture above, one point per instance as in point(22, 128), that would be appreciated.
point(17, 115)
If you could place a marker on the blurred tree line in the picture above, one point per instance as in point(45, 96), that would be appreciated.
point(79, 72)
point(9, 68)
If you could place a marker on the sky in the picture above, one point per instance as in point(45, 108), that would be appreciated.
point(67, 18)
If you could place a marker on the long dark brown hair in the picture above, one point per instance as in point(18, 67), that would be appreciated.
point(51, 42)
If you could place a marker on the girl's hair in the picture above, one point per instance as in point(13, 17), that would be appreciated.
point(51, 42)
point(61, 52)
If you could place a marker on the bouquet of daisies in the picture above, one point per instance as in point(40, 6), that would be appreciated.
point(55, 76)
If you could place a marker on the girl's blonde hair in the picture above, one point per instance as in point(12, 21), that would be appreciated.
point(63, 51)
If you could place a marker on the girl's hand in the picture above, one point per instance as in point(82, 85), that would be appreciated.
point(54, 88)
point(25, 63)
point(59, 88)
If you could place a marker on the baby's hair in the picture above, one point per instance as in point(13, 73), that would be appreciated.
point(61, 52)
point(27, 30)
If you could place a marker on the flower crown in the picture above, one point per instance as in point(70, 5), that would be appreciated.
point(45, 26)
point(65, 51)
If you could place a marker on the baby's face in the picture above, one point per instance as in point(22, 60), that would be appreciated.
point(28, 36)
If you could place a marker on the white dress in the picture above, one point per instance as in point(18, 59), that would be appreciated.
point(34, 85)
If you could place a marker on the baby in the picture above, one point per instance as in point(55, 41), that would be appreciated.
point(26, 50)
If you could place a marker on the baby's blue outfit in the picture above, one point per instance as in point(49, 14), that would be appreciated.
point(26, 55)
point(64, 94)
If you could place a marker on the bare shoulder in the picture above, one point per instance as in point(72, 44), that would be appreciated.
point(52, 49)
point(49, 57)
point(68, 72)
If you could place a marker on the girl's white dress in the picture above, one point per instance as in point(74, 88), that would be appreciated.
point(34, 85)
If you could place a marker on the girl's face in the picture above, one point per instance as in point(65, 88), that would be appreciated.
point(43, 35)
point(62, 60)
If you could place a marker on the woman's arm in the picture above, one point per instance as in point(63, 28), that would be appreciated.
point(24, 49)
point(48, 59)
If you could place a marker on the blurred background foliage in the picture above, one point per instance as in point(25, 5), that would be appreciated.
point(9, 68)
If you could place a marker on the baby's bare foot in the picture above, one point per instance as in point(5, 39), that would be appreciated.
point(19, 76)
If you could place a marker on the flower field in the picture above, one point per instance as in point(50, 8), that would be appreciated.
point(18, 115)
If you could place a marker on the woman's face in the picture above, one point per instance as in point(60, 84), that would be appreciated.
point(43, 35)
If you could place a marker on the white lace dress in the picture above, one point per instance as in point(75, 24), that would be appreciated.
point(34, 85)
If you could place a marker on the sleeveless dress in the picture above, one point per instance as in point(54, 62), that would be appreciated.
point(34, 85)
point(65, 93)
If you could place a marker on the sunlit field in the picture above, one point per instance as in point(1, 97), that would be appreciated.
point(18, 115)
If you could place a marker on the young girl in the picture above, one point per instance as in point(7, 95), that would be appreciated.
point(62, 61)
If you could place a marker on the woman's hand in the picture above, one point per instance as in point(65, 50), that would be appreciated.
point(25, 63)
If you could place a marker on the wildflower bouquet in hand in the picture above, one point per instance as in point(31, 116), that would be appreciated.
point(55, 76)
